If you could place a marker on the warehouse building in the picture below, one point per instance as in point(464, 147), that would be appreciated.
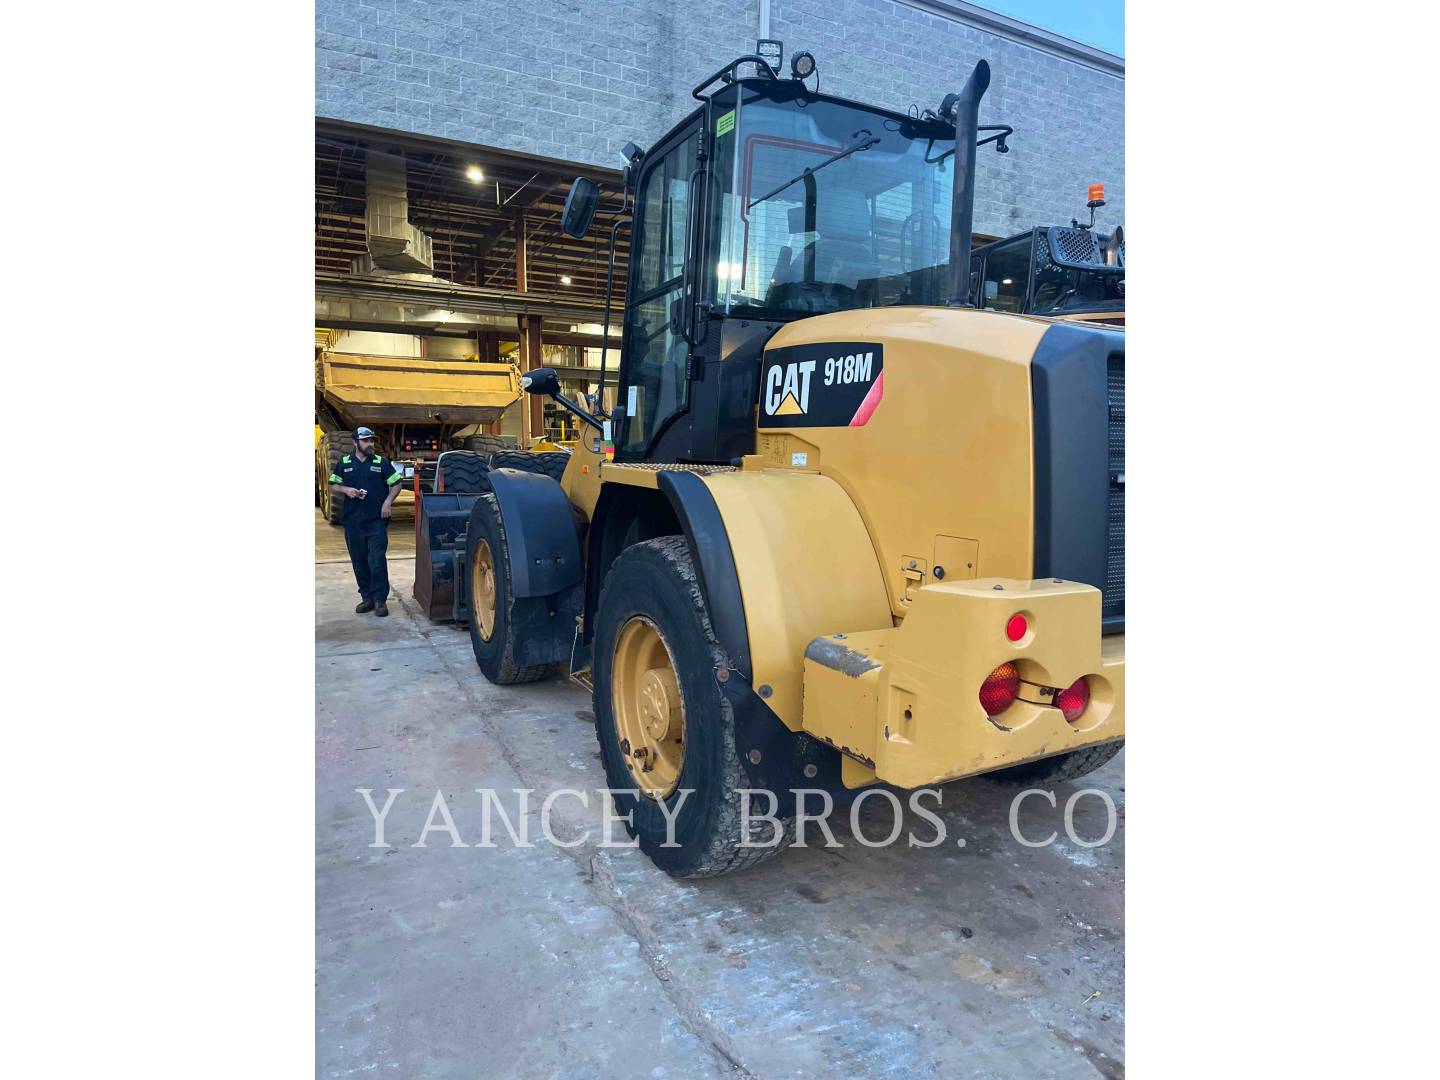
point(467, 121)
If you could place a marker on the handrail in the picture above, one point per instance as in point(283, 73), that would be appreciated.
point(687, 286)
point(609, 292)
point(727, 72)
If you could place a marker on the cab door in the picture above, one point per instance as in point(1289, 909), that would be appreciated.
point(653, 384)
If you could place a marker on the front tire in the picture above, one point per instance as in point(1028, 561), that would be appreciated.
point(492, 624)
point(655, 664)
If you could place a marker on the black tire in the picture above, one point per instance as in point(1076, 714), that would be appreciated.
point(656, 579)
point(333, 446)
point(483, 444)
point(1061, 767)
point(496, 656)
point(549, 463)
point(464, 472)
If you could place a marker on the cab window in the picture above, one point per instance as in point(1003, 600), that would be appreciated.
point(654, 387)
point(1007, 274)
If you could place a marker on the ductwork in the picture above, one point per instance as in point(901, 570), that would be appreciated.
point(393, 243)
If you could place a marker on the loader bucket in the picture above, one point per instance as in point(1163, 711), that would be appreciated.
point(441, 521)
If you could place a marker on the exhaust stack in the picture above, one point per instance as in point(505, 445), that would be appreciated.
point(964, 110)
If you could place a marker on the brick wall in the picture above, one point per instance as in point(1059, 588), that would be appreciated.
point(576, 79)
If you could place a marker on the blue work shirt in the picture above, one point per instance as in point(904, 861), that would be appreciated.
point(373, 475)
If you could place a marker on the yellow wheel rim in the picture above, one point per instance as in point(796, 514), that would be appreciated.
point(649, 712)
point(482, 589)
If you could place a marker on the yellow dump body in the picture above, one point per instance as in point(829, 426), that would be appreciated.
point(390, 390)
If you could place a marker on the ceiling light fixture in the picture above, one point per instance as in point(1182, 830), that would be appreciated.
point(474, 174)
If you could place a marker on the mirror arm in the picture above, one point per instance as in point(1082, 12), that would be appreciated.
point(572, 407)
point(622, 208)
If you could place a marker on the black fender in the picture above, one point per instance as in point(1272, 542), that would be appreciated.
point(772, 755)
point(704, 530)
point(547, 577)
point(540, 532)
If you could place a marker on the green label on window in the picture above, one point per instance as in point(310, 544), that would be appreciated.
point(725, 124)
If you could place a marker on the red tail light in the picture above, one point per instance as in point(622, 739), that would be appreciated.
point(1074, 699)
point(998, 691)
point(1017, 627)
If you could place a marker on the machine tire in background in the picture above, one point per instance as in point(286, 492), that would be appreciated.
point(483, 444)
point(652, 588)
point(462, 471)
point(550, 463)
point(1061, 767)
point(333, 446)
point(492, 628)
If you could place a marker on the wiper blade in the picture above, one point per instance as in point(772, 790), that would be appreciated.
point(864, 143)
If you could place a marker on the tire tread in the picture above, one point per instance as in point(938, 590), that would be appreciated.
point(464, 472)
point(549, 463)
point(334, 445)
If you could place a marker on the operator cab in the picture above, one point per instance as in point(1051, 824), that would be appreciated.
point(769, 203)
point(1052, 271)
point(1061, 271)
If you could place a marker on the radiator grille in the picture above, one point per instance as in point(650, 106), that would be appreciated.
point(1113, 600)
point(1075, 245)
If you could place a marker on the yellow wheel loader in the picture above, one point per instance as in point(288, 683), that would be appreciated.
point(844, 526)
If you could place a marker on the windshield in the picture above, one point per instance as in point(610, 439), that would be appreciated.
point(825, 207)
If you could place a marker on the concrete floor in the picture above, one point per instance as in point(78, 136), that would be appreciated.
point(987, 960)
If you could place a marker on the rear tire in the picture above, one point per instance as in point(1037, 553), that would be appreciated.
point(1061, 767)
point(495, 652)
point(655, 581)
point(333, 446)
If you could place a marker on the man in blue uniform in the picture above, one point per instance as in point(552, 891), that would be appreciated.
point(369, 485)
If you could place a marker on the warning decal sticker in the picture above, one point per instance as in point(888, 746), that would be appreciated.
point(836, 384)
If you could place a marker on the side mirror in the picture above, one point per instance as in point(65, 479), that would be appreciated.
point(542, 381)
point(580, 207)
point(545, 382)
